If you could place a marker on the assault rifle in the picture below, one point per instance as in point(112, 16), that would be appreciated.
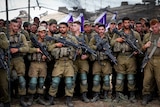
point(3, 63)
point(106, 48)
point(85, 48)
point(149, 56)
point(39, 45)
point(65, 42)
point(128, 41)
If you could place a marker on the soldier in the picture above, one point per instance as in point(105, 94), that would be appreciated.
point(112, 25)
point(101, 66)
point(81, 61)
point(38, 68)
point(126, 65)
point(151, 70)
point(63, 65)
point(19, 20)
point(18, 47)
point(4, 90)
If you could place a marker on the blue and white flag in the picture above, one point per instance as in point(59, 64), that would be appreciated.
point(102, 19)
point(68, 18)
point(114, 17)
point(80, 18)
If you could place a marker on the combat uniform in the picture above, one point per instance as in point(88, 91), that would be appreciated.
point(63, 67)
point(82, 67)
point(17, 62)
point(126, 65)
point(37, 73)
point(151, 70)
point(101, 68)
point(4, 90)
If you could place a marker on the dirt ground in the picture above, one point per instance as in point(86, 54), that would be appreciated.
point(60, 102)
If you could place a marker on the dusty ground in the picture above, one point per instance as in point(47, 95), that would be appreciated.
point(78, 103)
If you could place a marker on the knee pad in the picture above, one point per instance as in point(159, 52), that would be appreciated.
point(33, 83)
point(83, 78)
point(41, 82)
point(55, 82)
point(22, 82)
point(120, 78)
point(106, 80)
point(68, 82)
point(96, 80)
point(130, 78)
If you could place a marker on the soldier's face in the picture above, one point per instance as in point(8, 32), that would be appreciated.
point(15, 27)
point(63, 28)
point(53, 28)
point(139, 27)
point(42, 34)
point(126, 24)
point(75, 27)
point(101, 31)
point(155, 28)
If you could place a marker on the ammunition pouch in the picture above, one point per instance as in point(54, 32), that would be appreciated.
point(102, 56)
point(35, 57)
point(63, 52)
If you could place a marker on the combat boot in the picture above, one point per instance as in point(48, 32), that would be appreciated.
point(117, 99)
point(69, 101)
point(41, 100)
point(51, 100)
point(22, 102)
point(145, 99)
point(84, 97)
point(30, 101)
point(132, 98)
point(95, 97)
point(106, 98)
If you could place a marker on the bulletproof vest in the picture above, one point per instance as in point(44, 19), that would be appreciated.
point(124, 47)
point(154, 40)
point(100, 53)
point(16, 42)
point(65, 51)
point(37, 56)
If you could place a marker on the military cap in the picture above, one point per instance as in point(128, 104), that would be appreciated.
point(120, 21)
point(113, 21)
point(42, 28)
point(145, 19)
point(87, 23)
point(52, 21)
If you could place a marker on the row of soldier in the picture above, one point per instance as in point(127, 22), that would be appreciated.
point(70, 61)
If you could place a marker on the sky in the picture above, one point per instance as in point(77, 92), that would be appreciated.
point(89, 5)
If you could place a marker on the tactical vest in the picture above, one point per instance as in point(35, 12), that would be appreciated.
point(16, 42)
point(37, 56)
point(154, 39)
point(64, 51)
point(100, 53)
point(124, 47)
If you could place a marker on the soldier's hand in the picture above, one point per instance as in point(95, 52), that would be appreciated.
point(84, 56)
point(120, 40)
point(44, 57)
point(59, 45)
point(14, 50)
point(147, 45)
point(38, 50)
